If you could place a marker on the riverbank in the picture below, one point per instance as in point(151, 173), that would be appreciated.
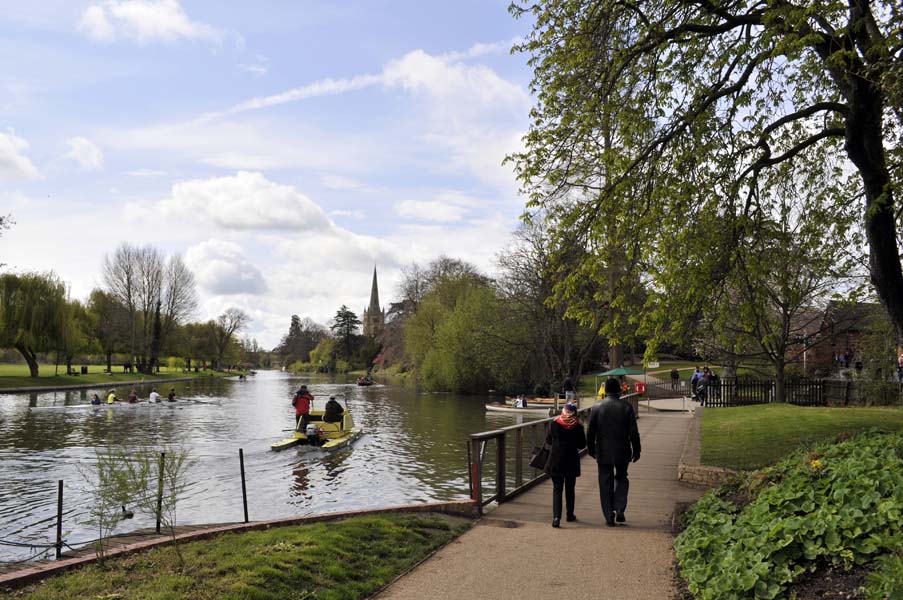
point(331, 556)
point(14, 382)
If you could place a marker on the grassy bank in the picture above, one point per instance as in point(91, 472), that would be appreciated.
point(833, 509)
point(749, 437)
point(345, 559)
point(17, 376)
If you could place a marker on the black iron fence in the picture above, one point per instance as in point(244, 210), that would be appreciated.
point(800, 392)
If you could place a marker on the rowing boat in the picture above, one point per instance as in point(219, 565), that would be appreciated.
point(124, 405)
point(329, 436)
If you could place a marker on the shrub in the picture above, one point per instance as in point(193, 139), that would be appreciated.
point(836, 504)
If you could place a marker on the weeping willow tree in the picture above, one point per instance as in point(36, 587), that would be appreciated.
point(667, 125)
point(34, 315)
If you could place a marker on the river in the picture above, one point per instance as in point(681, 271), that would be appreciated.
point(412, 451)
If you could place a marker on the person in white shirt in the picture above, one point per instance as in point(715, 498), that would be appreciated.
point(154, 396)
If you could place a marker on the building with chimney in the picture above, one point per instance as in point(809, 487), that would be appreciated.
point(374, 317)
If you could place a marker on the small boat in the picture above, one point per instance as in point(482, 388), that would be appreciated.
point(327, 436)
point(364, 381)
point(538, 401)
point(530, 410)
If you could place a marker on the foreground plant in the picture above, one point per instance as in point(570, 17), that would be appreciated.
point(838, 505)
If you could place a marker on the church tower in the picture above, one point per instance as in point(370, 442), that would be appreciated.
point(374, 318)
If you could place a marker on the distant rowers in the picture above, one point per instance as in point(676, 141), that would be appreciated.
point(111, 398)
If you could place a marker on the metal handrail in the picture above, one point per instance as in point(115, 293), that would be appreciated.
point(476, 447)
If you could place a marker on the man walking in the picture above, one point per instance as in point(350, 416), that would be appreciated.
point(613, 440)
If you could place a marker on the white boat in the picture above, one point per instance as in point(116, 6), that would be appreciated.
point(530, 410)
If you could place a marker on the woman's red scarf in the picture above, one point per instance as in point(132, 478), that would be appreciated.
point(567, 420)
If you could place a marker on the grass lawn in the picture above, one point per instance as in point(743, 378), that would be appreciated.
point(749, 437)
point(335, 560)
point(14, 376)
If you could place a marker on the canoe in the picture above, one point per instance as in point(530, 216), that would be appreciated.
point(530, 410)
point(537, 401)
point(124, 405)
point(332, 435)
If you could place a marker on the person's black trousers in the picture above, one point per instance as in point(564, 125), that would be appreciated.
point(563, 483)
point(613, 487)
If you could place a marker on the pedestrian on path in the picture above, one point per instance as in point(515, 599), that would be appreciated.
point(613, 440)
point(675, 379)
point(565, 439)
point(570, 393)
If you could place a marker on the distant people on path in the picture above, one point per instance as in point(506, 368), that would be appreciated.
point(333, 411)
point(133, 396)
point(95, 399)
point(172, 395)
point(565, 439)
point(111, 397)
point(675, 379)
point(613, 440)
point(569, 391)
point(695, 381)
point(900, 368)
point(302, 402)
point(154, 396)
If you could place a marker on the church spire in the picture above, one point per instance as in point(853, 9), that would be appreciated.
point(374, 318)
point(374, 295)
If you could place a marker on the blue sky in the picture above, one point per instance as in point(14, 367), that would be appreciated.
point(283, 148)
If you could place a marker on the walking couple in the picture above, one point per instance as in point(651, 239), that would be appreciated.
point(613, 440)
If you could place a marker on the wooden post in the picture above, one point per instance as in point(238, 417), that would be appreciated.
point(59, 520)
point(518, 458)
point(244, 489)
point(469, 470)
point(500, 468)
point(160, 491)
point(476, 476)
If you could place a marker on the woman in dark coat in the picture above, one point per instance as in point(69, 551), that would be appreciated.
point(565, 439)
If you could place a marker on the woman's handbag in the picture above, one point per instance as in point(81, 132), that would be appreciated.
point(540, 458)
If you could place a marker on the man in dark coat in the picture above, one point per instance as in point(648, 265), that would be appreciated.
point(613, 440)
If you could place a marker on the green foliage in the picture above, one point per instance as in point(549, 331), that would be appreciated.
point(837, 504)
point(886, 581)
point(34, 314)
point(175, 363)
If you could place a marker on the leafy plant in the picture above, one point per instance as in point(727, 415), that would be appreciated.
point(838, 504)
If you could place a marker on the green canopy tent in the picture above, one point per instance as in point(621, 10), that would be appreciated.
point(620, 371)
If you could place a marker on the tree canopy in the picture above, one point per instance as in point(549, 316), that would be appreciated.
point(671, 129)
point(34, 315)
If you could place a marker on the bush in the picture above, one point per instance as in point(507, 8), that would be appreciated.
point(837, 504)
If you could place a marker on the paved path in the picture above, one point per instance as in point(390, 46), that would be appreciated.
point(515, 553)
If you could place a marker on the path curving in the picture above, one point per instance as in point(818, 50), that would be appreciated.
point(514, 552)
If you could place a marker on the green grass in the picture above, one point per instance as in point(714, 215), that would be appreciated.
point(16, 376)
point(749, 437)
point(336, 560)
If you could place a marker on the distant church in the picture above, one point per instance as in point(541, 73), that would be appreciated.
point(374, 318)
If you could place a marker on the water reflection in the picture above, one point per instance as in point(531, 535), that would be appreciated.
point(413, 450)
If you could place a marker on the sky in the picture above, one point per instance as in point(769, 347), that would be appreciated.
point(283, 148)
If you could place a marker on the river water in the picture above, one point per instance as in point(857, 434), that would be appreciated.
point(412, 450)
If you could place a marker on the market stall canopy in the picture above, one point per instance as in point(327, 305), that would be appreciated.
point(620, 371)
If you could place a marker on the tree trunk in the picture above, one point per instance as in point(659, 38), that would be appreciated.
point(615, 356)
point(109, 361)
point(864, 146)
point(779, 383)
point(30, 358)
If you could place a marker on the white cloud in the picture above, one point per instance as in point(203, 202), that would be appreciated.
point(429, 210)
point(354, 214)
point(146, 173)
point(144, 21)
point(257, 70)
point(339, 182)
point(222, 268)
point(13, 162)
point(85, 154)
point(245, 201)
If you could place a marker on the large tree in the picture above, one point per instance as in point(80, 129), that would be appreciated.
point(34, 315)
point(232, 321)
point(345, 325)
point(148, 285)
point(661, 115)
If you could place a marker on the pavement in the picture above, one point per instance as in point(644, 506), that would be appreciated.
point(514, 552)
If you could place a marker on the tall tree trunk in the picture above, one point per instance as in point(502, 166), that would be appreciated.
point(109, 361)
point(31, 359)
point(864, 146)
point(780, 387)
point(615, 356)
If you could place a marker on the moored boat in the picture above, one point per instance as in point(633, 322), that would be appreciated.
point(530, 410)
point(322, 435)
